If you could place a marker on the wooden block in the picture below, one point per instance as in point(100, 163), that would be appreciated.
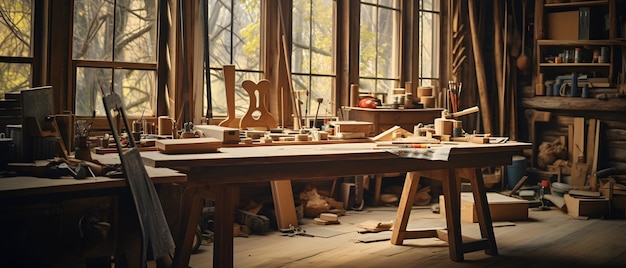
point(351, 135)
point(583, 193)
point(185, 146)
point(227, 135)
point(352, 126)
point(329, 217)
point(165, 125)
point(502, 208)
point(577, 207)
point(579, 174)
point(255, 134)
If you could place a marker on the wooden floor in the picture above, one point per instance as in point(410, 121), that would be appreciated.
point(548, 239)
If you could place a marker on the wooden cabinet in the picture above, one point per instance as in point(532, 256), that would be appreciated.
point(586, 38)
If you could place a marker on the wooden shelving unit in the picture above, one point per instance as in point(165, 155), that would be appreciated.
point(612, 40)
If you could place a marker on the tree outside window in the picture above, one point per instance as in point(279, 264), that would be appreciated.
point(234, 29)
point(429, 37)
point(312, 69)
point(16, 20)
point(379, 46)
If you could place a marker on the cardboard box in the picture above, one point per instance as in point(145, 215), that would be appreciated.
point(501, 207)
point(578, 206)
point(563, 25)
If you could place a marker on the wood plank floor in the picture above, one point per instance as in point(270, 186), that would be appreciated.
point(548, 239)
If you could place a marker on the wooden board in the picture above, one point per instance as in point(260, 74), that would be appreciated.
point(352, 126)
point(257, 92)
point(186, 146)
point(282, 194)
point(502, 208)
point(224, 134)
point(579, 139)
point(591, 136)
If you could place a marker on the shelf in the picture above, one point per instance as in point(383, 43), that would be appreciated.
point(550, 42)
point(578, 67)
point(575, 65)
point(577, 4)
point(574, 104)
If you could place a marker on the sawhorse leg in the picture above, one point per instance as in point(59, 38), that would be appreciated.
point(451, 181)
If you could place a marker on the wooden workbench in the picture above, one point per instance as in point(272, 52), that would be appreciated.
point(221, 173)
point(41, 218)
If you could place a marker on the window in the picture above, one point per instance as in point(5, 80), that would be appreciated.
point(234, 29)
point(379, 46)
point(312, 69)
point(429, 40)
point(115, 48)
point(16, 53)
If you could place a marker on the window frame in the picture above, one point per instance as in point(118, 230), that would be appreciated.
point(113, 65)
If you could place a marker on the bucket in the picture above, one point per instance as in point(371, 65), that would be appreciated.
point(515, 171)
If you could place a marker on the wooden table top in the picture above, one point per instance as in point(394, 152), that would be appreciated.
point(299, 161)
point(27, 185)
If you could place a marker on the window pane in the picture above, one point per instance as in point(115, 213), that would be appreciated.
point(88, 92)
point(136, 28)
point(429, 45)
point(233, 39)
point(13, 77)
point(218, 92)
point(379, 59)
point(301, 37)
point(136, 87)
point(220, 30)
point(15, 28)
point(247, 35)
point(322, 37)
point(93, 24)
point(430, 5)
point(138, 91)
point(389, 3)
point(321, 90)
point(367, 42)
point(312, 56)
point(387, 47)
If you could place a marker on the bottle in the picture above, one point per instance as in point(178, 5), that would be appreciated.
point(575, 92)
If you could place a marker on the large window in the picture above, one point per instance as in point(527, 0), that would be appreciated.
point(234, 29)
point(16, 53)
point(429, 37)
point(114, 48)
point(379, 46)
point(312, 69)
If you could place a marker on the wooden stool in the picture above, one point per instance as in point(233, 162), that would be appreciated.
point(451, 181)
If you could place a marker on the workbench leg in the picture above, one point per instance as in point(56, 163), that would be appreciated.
point(226, 197)
point(411, 183)
point(377, 188)
point(451, 192)
point(191, 209)
point(482, 208)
